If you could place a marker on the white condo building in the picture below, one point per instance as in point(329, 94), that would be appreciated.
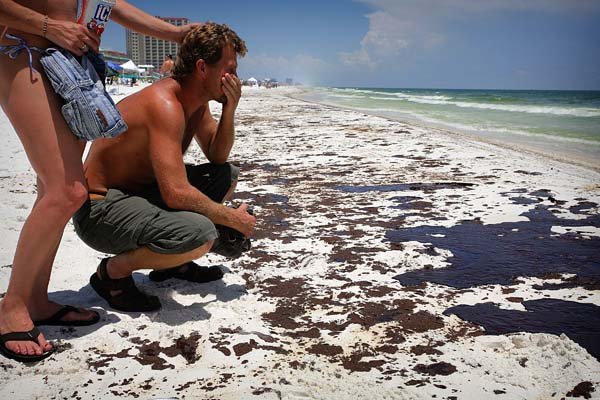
point(146, 50)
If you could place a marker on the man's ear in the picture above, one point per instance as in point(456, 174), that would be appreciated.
point(201, 67)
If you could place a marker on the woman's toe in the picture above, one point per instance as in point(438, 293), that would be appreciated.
point(43, 344)
point(29, 349)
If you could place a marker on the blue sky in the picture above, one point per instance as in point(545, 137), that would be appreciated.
point(498, 44)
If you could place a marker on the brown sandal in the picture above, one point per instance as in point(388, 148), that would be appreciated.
point(131, 299)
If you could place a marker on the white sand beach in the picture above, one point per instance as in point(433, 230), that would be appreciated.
point(391, 261)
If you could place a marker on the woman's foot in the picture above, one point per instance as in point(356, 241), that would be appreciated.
point(14, 317)
point(51, 313)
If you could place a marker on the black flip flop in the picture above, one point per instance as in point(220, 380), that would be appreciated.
point(56, 318)
point(131, 299)
point(31, 336)
point(193, 273)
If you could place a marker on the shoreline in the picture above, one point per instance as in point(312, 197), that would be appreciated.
point(517, 147)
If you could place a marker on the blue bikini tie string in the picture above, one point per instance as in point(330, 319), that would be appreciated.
point(14, 50)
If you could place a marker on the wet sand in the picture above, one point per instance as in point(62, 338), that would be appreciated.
point(390, 262)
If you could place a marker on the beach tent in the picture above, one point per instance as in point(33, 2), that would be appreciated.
point(252, 82)
point(130, 66)
point(145, 68)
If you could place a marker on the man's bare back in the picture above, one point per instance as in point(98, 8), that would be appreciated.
point(167, 66)
point(125, 162)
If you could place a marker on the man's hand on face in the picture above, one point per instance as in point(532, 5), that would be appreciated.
point(232, 87)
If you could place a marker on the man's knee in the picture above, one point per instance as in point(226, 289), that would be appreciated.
point(214, 180)
point(180, 232)
point(235, 173)
point(228, 175)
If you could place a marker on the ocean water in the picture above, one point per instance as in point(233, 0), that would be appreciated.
point(559, 123)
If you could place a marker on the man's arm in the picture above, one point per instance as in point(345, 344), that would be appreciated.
point(135, 19)
point(167, 126)
point(216, 140)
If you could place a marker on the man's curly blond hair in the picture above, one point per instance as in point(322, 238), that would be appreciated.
point(205, 42)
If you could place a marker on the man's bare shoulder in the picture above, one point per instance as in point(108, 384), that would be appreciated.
point(162, 101)
point(156, 104)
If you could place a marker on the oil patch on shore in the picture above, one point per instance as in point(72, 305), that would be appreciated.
point(579, 321)
point(499, 253)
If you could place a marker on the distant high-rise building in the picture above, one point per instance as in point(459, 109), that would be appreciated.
point(146, 50)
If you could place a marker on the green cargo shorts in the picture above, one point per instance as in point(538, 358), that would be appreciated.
point(123, 221)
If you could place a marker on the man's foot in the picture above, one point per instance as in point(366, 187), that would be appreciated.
point(19, 339)
point(189, 272)
point(122, 294)
point(69, 316)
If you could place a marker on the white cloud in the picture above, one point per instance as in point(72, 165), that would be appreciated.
point(359, 57)
point(390, 33)
point(386, 35)
point(399, 26)
point(386, 38)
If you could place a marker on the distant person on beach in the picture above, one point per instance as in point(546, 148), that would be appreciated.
point(54, 152)
point(167, 66)
point(149, 208)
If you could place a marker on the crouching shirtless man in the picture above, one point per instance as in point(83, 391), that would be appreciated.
point(146, 206)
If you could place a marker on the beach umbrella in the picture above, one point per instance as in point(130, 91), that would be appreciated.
point(111, 72)
point(114, 66)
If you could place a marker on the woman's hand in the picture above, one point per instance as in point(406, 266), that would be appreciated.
point(73, 37)
point(184, 30)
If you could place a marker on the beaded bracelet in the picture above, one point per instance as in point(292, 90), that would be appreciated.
point(45, 27)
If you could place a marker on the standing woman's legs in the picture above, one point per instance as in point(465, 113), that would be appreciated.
point(40, 306)
point(55, 155)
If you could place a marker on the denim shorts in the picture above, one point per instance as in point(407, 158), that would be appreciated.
point(88, 110)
